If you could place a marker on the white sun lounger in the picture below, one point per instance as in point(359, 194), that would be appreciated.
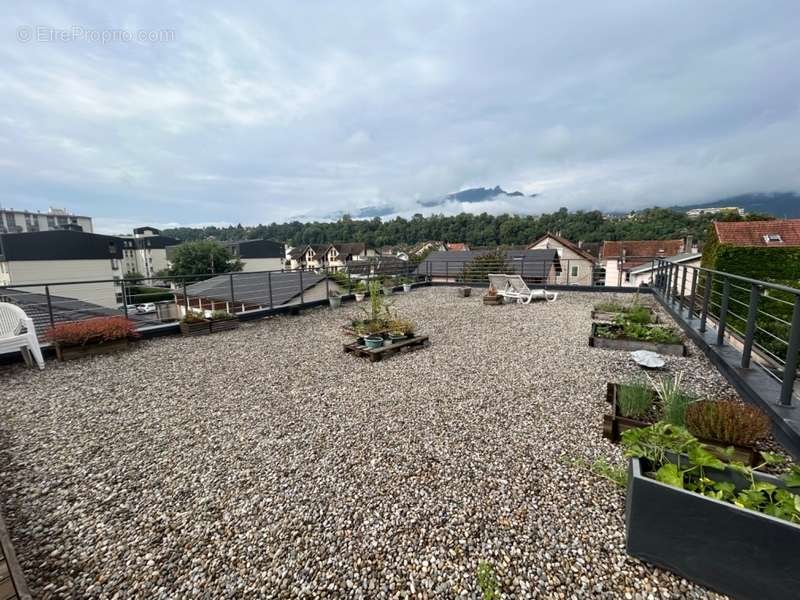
point(12, 321)
point(513, 286)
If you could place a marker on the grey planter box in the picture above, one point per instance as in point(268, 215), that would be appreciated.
point(224, 325)
point(599, 315)
point(732, 550)
point(630, 345)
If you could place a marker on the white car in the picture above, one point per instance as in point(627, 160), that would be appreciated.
point(146, 308)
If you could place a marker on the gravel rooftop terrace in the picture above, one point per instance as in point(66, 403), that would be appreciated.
point(265, 462)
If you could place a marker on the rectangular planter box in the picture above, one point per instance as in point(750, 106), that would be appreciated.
point(599, 315)
point(732, 550)
point(224, 325)
point(193, 329)
point(614, 424)
point(493, 300)
point(629, 345)
point(71, 352)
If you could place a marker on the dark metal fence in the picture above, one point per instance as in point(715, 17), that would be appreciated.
point(760, 317)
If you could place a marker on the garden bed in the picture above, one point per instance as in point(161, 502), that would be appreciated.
point(72, 352)
point(610, 317)
point(224, 325)
point(195, 328)
point(733, 550)
point(630, 344)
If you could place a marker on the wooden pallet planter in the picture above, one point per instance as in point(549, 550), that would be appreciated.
point(64, 353)
point(193, 329)
point(224, 325)
point(630, 344)
point(388, 349)
point(12, 581)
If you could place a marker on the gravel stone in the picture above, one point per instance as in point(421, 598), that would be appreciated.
point(265, 462)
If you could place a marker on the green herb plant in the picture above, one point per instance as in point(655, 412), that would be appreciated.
point(487, 581)
point(634, 399)
point(675, 457)
point(674, 400)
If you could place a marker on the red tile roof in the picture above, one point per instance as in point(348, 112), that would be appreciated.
point(566, 243)
point(640, 251)
point(751, 233)
point(457, 247)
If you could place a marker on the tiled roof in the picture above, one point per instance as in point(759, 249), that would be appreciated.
point(638, 252)
point(457, 247)
point(752, 233)
point(567, 244)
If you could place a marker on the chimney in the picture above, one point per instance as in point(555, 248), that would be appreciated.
point(688, 244)
point(580, 244)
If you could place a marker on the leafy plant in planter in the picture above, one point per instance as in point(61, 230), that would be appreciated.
point(636, 331)
point(727, 422)
point(360, 291)
point(402, 326)
point(195, 324)
point(222, 320)
point(334, 299)
point(99, 334)
point(677, 458)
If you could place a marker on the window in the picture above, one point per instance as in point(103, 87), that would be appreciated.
point(773, 238)
point(574, 271)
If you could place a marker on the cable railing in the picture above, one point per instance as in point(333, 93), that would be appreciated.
point(763, 317)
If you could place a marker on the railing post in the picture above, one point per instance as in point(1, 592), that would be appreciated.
point(668, 292)
point(185, 297)
point(683, 289)
point(302, 300)
point(50, 305)
point(695, 273)
point(790, 368)
point(750, 331)
point(723, 311)
point(327, 284)
point(708, 286)
point(269, 285)
point(230, 278)
point(349, 282)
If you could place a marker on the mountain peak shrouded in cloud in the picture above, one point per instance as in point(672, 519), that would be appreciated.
point(242, 116)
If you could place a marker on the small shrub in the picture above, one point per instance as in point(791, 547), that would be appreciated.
point(729, 422)
point(638, 314)
point(634, 399)
point(98, 330)
point(487, 581)
point(222, 315)
point(403, 326)
point(193, 317)
point(674, 401)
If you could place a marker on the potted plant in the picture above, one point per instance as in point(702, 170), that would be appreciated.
point(373, 341)
point(360, 291)
point(99, 335)
point(729, 527)
point(465, 292)
point(406, 284)
point(334, 299)
point(195, 324)
point(388, 287)
point(396, 336)
point(402, 326)
point(222, 320)
point(492, 298)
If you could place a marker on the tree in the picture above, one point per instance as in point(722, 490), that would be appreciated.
point(134, 277)
point(202, 257)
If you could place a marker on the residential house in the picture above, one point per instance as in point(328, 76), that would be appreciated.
point(645, 274)
point(328, 256)
point(258, 255)
point(457, 247)
point(62, 257)
point(423, 247)
point(619, 257)
point(26, 221)
point(535, 266)
point(145, 252)
point(252, 291)
point(577, 265)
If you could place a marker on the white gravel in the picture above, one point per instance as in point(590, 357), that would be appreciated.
point(266, 462)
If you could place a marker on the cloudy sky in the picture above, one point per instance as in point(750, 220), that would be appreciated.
point(168, 112)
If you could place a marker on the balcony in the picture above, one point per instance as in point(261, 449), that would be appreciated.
point(265, 461)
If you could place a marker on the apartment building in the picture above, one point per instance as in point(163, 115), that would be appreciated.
point(145, 252)
point(26, 221)
point(61, 257)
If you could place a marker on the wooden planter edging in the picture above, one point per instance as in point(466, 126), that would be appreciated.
point(614, 425)
point(735, 551)
point(599, 315)
point(12, 581)
point(629, 345)
point(493, 300)
point(224, 325)
point(71, 352)
point(388, 349)
point(193, 329)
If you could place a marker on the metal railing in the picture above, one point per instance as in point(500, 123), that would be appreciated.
point(763, 318)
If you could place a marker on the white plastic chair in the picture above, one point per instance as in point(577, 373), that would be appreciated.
point(12, 321)
point(515, 287)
